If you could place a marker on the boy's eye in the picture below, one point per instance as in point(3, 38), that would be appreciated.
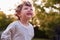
point(31, 9)
point(25, 8)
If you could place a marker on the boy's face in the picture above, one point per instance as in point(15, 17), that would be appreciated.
point(26, 12)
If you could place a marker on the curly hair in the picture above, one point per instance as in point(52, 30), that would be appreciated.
point(19, 7)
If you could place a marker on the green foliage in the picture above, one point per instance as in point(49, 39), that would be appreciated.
point(2, 19)
point(50, 24)
point(5, 20)
point(47, 21)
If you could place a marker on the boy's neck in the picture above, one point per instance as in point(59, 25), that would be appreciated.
point(24, 22)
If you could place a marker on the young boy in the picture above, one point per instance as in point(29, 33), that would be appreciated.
point(20, 29)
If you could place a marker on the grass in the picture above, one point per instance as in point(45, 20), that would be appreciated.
point(40, 39)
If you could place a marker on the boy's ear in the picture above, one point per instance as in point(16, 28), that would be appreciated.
point(19, 14)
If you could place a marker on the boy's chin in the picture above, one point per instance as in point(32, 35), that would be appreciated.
point(29, 17)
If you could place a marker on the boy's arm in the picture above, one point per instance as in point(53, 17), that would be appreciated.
point(6, 35)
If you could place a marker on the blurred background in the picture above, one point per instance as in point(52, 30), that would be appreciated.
point(46, 18)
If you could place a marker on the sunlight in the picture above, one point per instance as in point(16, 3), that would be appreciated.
point(7, 6)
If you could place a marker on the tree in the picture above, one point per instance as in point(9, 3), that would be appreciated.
point(2, 20)
point(5, 20)
point(47, 21)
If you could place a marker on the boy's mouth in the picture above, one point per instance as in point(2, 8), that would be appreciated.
point(29, 13)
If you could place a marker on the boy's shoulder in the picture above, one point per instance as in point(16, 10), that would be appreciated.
point(12, 24)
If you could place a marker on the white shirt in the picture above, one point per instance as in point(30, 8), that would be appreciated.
point(17, 31)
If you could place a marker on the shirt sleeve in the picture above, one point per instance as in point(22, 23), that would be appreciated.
point(6, 35)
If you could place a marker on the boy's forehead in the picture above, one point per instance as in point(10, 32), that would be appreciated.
point(27, 6)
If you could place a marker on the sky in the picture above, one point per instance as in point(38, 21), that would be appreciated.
point(5, 5)
point(8, 6)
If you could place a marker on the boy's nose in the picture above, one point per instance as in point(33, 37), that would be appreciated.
point(29, 10)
